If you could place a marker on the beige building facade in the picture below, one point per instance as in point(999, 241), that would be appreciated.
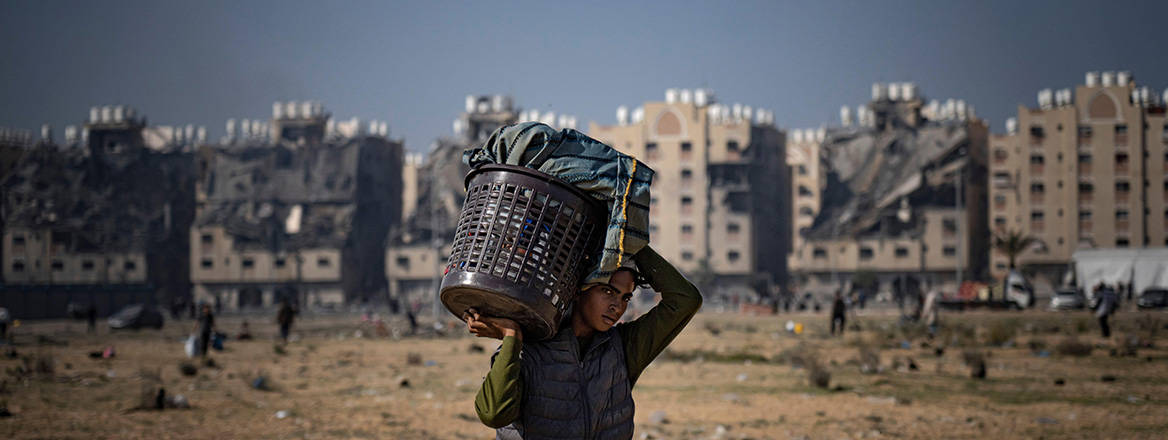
point(1086, 168)
point(721, 189)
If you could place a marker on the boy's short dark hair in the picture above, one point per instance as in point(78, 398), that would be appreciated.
point(639, 280)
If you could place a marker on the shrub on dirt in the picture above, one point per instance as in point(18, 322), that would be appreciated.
point(1073, 347)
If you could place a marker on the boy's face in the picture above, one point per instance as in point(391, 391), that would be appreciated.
point(602, 306)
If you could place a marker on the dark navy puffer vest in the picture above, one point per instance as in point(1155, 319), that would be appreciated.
point(569, 396)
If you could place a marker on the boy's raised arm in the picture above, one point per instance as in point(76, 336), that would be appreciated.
point(647, 336)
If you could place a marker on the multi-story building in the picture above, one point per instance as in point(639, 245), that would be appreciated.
point(899, 195)
point(296, 208)
point(100, 220)
point(1086, 168)
point(720, 192)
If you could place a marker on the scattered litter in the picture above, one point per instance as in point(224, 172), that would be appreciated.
point(1060, 382)
point(1042, 353)
point(111, 374)
point(404, 383)
point(658, 418)
point(741, 377)
point(1046, 421)
point(179, 402)
point(476, 348)
point(282, 414)
point(413, 359)
point(431, 363)
point(1107, 378)
point(429, 395)
point(905, 345)
point(261, 383)
point(1133, 399)
point(882, 400)
point(188, 369)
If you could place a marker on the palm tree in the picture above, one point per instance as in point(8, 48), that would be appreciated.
point(1012, 244)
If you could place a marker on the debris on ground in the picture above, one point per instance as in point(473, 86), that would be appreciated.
point(658, 418)
point(413, 359)
point(476, 348)
point(188, 369)
point(975, 360)
point(1107, 378)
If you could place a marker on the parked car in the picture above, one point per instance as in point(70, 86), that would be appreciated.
point(136, 316)
point(1067, 299)
point(1153, 299)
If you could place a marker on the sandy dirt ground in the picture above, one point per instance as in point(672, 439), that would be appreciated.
point(727, 376)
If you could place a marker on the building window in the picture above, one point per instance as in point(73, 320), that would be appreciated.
point(1121, 163)
point(999, 201)
point(403, 262)
point(1084, 158)
point(802, 170)
point(1121, 215)
point(57, 265)
point(1084, 132)
point(280, 262)
point(866, 253)
point(1000, 155)
point(732, 256)
point(901, 252)
point(207, 263)
point(804, 191)
point(949, 226)
point(687, 205)
point(1036, 132)
point(949, 251)
point(1036, 216)
point(208, 239)
point(686, 232)
point(1037, 159)
point(323, 262)
point(686, 150)
point(732, 146)
point(248, 263)
point(86, 264)
point(687, 256)
point(806, 211)
point(1037, 188)
point(651, 150)
point(819, 253)
point(129, 265)
point(1122, 242)
point(686, 178)
point(653, 228)
point(18, 240)
point(1122, 186)
point(1084, 215)
point(999, 222)
point(18, 266)
point(1001, 179)
point(652, 201)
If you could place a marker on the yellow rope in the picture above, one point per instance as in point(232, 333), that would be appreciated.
point(625, 213)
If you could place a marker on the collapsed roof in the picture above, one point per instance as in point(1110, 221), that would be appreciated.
point(875, 176)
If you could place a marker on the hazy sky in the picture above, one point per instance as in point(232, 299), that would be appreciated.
point(412, 64)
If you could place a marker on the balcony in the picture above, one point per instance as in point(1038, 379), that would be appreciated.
point(1084, 169)
point(1036, 226)
point(1036, 169)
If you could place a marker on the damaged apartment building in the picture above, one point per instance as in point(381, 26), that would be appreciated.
point(1085, 169)
point(99, 220)
point(296, 208)
point(433, 195)
point(898, 192)
point(720, 191)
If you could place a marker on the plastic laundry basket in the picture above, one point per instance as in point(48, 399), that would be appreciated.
point(523, 240)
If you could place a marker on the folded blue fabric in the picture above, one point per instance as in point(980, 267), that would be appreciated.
point(615, 178)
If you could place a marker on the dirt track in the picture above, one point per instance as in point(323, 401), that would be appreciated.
point(727, 376)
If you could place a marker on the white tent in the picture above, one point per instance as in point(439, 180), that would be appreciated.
point(1143, 268)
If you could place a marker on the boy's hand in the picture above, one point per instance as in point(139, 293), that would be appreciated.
point(488, 327)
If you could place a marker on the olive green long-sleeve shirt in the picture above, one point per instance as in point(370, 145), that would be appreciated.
point(498, 401)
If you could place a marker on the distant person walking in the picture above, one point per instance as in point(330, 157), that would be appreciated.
point(4, 318)
point(930, 312)
point(205, 327)
point(839, 312)
point(284, 318)
point(1108, 300)
point(91, 316)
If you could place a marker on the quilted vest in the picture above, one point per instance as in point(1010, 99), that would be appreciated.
point(567, 395)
